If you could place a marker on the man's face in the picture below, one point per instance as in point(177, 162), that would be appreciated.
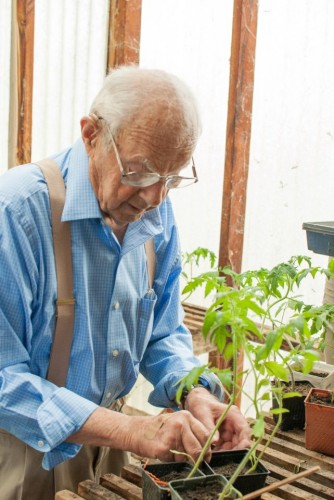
point(141, 147)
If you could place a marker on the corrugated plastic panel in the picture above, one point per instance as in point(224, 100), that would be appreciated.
point(5, 33)
point(69, 67)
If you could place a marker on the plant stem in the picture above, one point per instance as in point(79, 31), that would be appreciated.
point(209, 440)
point(223, 415)
point(239, 469)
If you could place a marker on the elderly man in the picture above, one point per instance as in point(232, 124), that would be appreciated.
point(136, 145)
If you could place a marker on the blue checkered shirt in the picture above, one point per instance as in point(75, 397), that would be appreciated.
point(120, 329)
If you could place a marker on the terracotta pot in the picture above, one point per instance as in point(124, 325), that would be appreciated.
point(319, 431)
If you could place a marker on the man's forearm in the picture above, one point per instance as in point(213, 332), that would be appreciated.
point(105, 428)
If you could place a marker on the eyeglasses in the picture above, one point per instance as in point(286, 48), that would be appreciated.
point(144, 179)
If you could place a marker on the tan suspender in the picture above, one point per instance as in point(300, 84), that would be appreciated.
point(63, 334)
point(150, 262)
point(62, 340)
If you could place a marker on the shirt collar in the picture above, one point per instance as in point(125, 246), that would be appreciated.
point(81, 202)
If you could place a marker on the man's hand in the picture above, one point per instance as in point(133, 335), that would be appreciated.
point(234, 433)
point(151, 437)
point(160, 436)
point(156, 437)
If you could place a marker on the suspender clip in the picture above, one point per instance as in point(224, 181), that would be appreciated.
point(65, 302)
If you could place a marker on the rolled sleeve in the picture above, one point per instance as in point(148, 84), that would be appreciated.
point(169, 386)
point(60, 416)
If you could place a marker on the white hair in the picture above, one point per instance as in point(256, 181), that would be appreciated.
point(130, 91)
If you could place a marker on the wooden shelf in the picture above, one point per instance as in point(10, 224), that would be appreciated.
point(285, 456)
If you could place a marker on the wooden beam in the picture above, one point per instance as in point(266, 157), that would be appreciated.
point(124, 32)
point(67, 495)
point(238, 133)
point(22, 55)
point(92, 491)
point(121, 487)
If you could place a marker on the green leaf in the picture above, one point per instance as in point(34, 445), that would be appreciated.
point(253, 306)
point(292, 394)
point(219, 336)
point(277, 370)
point(208, 322)
point(263, 383)
point(228, 352)
point(279, 411)
point(190, 379)
point(225, 376)
point(258, 428)
point(331, 266)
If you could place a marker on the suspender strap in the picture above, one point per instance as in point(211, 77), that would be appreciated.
point(150, 262)
point(62, 340)
point(63, 334)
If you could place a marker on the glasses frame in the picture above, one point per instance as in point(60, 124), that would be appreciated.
point(126, 176)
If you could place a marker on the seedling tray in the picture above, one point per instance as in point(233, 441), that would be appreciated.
point(320, 237)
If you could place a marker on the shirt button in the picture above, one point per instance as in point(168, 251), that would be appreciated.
point(108, 395)
point(40, 443)
point(116, 305)
point(115, 353)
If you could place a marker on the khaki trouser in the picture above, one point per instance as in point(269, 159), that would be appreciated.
point(22, 476)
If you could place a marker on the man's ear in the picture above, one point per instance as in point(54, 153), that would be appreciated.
point(89, 130)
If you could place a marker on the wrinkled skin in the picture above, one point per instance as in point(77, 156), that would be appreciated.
point(157, 436)
point(234, 432)
point(122, 204)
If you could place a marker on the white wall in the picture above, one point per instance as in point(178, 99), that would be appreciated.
point(292, 148)
point(291, 174)
point(69, 68)
point(193, 40)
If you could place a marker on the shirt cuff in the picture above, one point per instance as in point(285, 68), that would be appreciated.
point(63, 452)
point(170, 387)
point(58, 417)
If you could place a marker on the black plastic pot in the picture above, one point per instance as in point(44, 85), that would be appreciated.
point(245, 483)
point(151, 489)
point(320, 237)
point(181, 486)
point(295, 417)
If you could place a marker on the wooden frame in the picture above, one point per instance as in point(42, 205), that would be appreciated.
point(124, 32)
point(22, 54)
point(238, 133)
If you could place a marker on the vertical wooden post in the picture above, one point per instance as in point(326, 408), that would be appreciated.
point(238, 135)
point(22, 54)
point(238, 132)
point(124, 32)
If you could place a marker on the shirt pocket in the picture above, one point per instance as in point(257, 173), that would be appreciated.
point(144, 323)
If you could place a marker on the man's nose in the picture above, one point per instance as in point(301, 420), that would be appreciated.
point(155, 194)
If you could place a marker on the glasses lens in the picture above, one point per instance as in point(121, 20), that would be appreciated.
point(140, 180)
point(176, 181)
